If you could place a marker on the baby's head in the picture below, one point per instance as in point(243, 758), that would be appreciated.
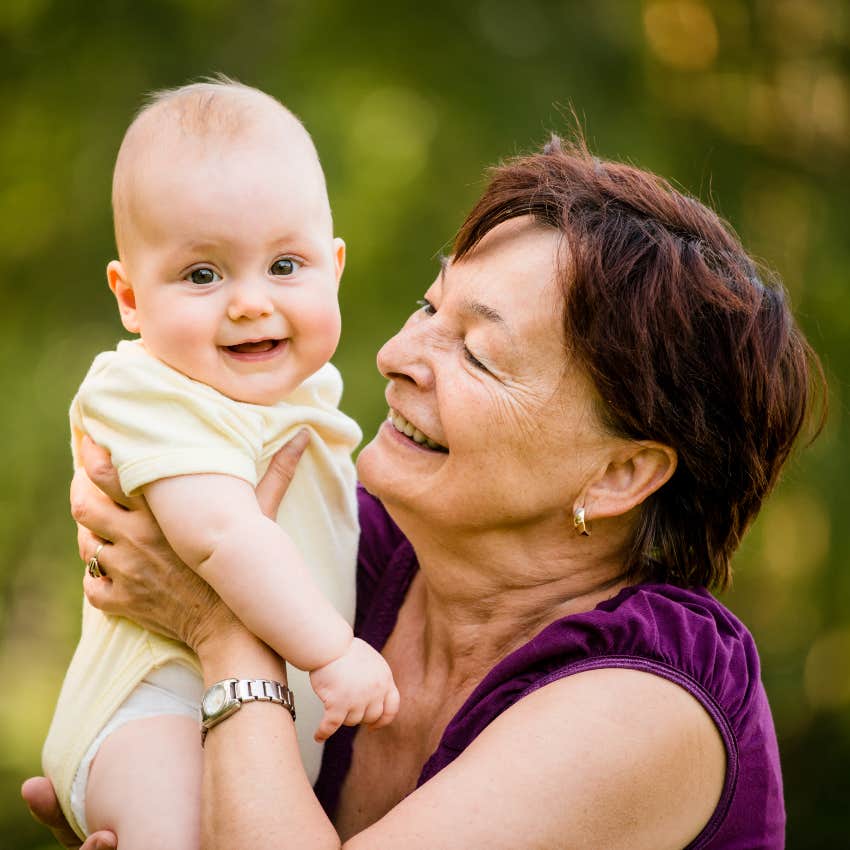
point(227, 264)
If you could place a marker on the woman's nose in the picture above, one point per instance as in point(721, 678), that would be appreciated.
point(404, 357)
point(249, 299)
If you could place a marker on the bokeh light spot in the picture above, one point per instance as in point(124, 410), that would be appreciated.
point(827, 670)
point(681, 33)
point(796, 534)
point(392, 130)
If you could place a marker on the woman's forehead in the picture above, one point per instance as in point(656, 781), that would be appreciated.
point(522, 229)
point(515, 267)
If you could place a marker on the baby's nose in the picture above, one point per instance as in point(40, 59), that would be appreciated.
point(249, 300)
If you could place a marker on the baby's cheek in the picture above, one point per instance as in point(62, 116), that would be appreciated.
point(322, 327)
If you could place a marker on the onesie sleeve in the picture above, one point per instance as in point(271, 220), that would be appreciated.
point(157, 423)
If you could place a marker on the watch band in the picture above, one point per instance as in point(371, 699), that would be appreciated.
point(239, 691)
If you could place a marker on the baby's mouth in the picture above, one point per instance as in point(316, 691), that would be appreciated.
point(254, 347)
point(410, 430)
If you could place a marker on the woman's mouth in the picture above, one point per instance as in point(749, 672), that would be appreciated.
point(410, 430)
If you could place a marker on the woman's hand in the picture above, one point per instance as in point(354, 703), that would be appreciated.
point(39, 795)
point(144, 580)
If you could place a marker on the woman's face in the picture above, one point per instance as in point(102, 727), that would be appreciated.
point(505, 428)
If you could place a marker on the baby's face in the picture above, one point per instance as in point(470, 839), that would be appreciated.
point(230, 269)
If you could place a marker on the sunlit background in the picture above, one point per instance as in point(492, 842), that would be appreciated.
point(746, 103)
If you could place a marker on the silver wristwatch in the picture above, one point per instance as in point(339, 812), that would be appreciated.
point(226, 697)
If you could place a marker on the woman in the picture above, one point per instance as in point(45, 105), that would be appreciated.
point(586, 413)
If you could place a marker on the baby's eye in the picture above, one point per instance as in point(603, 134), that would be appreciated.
point(284, 266)
point(203, 276)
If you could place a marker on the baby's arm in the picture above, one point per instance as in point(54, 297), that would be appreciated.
point(213, 522)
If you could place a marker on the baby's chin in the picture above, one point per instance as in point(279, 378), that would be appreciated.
point(243, 392)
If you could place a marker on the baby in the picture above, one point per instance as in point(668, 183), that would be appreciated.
point(228, 270)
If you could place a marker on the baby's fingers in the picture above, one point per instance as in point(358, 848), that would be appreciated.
point(390, 709)
point(374, 712)
point(331, 721)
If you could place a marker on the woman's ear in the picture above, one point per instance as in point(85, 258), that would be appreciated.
point(339, 257)
point(636, 473)
point(122, 289)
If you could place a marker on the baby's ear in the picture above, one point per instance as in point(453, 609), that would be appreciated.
point(121, 287)
point(339, 257)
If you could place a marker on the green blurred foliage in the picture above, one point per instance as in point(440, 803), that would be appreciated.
point(746, 103)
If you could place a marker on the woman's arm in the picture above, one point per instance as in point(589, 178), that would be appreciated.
point(612, 758)
point(607, 758)
point(255, 791)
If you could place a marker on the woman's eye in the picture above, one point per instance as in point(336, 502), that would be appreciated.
point(203, 276)
point(284, 266)
point(474, 360)
point(426, 306)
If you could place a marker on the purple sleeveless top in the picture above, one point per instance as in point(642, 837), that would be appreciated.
point(685, 636)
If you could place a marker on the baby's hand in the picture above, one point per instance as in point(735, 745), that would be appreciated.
point(357, 687)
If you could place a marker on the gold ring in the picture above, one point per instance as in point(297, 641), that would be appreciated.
point(94, 568)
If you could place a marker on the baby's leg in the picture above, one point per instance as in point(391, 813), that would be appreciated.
point(145, 784)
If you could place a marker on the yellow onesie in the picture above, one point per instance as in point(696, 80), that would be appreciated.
point(158, 423)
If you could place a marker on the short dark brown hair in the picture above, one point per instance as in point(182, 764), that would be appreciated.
point(687, 342)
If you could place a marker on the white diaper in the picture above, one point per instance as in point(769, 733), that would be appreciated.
point(171, 689)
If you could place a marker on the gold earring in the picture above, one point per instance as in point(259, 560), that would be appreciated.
point(579, 523)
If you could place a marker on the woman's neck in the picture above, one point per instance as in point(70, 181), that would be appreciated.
point(483, 594)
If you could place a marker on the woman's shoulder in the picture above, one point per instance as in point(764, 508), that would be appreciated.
point(686, 629)
point(685, 636)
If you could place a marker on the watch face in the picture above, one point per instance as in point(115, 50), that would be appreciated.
point(214, 700)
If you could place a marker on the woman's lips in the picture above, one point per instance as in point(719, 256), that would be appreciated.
point(255, 350)
point(402, 426)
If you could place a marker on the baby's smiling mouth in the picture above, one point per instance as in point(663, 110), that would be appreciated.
point(260, 346)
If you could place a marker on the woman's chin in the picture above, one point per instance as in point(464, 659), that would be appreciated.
point(394, 473)
point(368, 466)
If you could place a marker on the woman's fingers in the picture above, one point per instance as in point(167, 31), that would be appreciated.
point(101, 841)
point(98, 466)
point(39, 795)
point(272, 488)
point(92, 508)
point(87, 543)
point(99, 592)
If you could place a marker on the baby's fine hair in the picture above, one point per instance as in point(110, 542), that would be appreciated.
point(216, 105)
point(217, 109)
